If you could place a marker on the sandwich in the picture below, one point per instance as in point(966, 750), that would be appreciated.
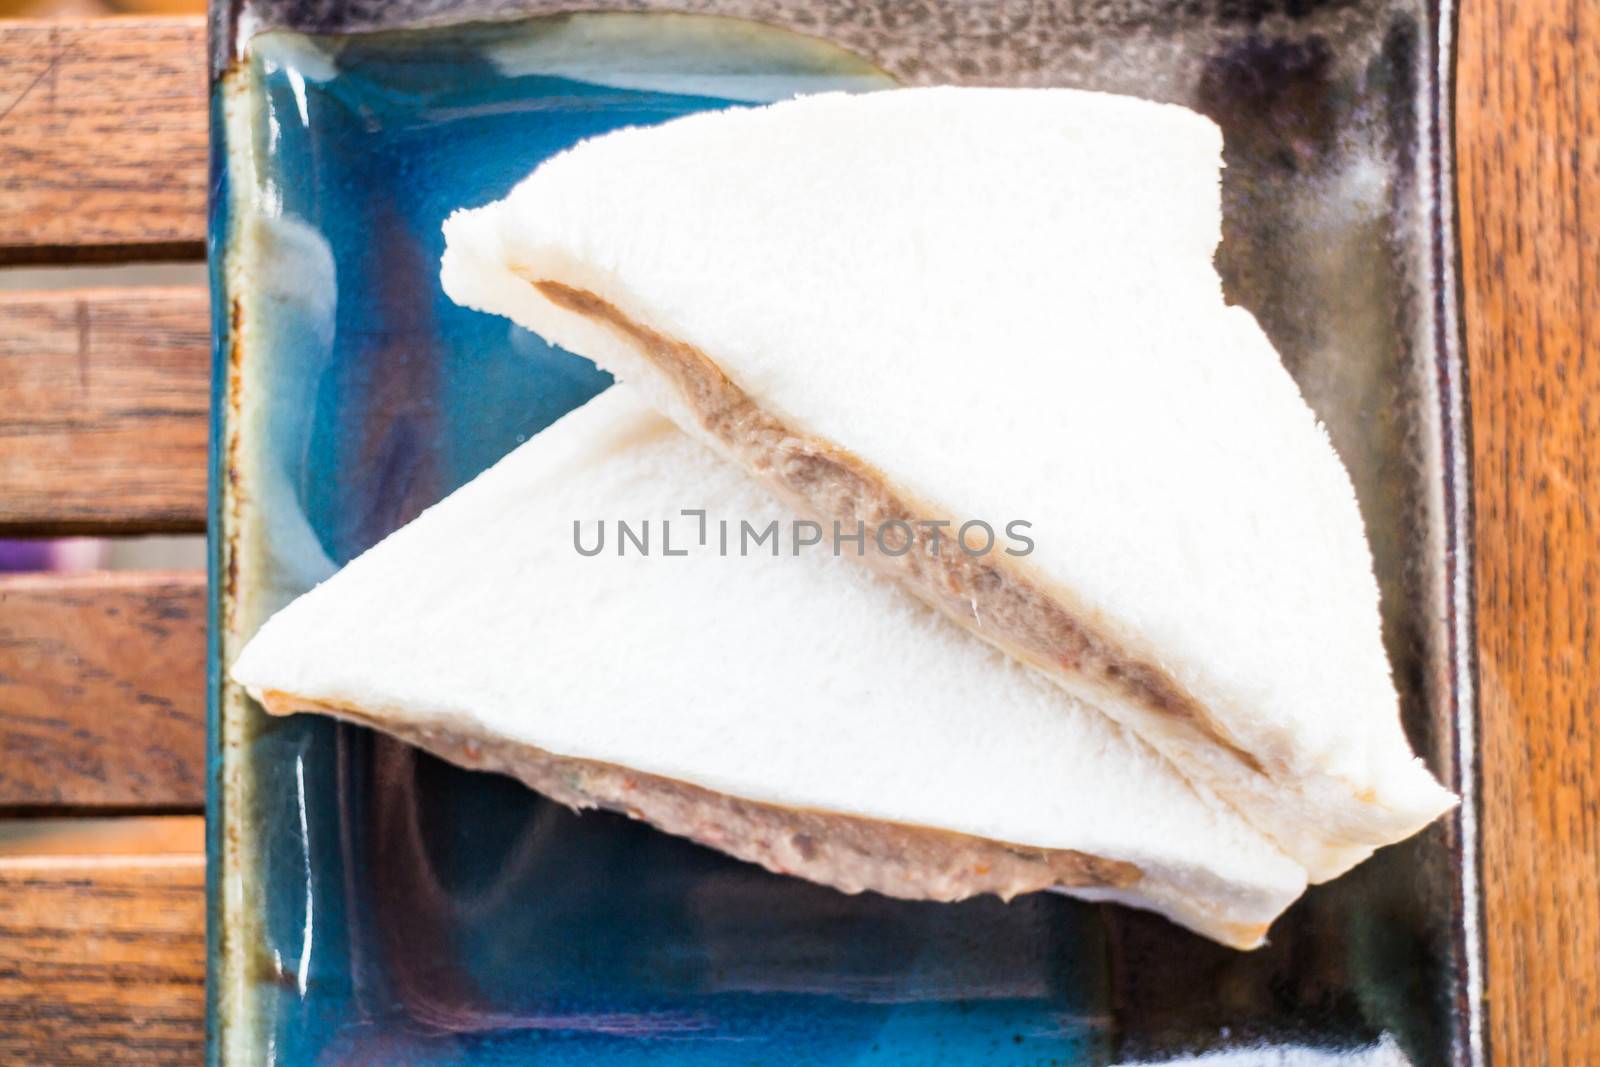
point(561, 619)
point(955, 314)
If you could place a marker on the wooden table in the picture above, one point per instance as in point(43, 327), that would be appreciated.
point(102, 428)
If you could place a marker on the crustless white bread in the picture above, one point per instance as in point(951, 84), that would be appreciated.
point(997, 305)
point(796, 711)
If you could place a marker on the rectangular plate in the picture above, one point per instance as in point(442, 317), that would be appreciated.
point(372, 904)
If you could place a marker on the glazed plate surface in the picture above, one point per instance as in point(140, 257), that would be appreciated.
point(370, 904)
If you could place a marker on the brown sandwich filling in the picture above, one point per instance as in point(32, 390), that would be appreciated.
point(994, 600)
point(847, 852)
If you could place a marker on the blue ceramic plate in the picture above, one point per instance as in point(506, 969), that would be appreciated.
point(373, 905)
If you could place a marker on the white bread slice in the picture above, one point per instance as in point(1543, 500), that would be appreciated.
point(988, 304)
point(799, 712)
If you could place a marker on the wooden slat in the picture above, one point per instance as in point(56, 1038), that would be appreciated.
point(102, 139)
point(1529, 176)
point(102, 691)
point(103, 410)
point(102, 960)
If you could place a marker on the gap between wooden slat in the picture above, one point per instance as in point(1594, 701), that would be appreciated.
point(104, 410)
point(102, 691)
point(26, 840)
point(102, 139)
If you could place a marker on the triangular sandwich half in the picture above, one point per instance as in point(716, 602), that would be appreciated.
point(796, 711)
point(999, 306)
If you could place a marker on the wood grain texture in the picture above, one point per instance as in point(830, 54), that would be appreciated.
point(102, 691)
point(1528, 149)
point(104, 399)
point(102, 960)
point(102, 139)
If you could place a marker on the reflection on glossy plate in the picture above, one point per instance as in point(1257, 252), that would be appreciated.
point(374, 905)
